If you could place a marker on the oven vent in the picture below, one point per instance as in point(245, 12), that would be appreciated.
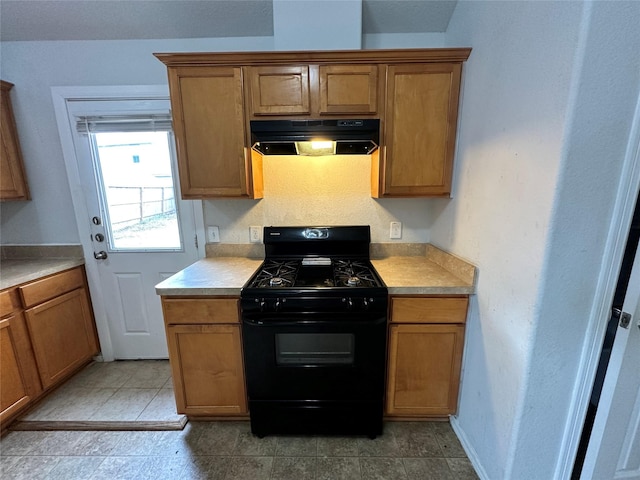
point(315, 137)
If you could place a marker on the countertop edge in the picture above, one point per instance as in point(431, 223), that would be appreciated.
point(32, 269)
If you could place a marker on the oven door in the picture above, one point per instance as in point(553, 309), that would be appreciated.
point(316, 356)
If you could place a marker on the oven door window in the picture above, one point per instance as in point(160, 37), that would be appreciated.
point(308, 349)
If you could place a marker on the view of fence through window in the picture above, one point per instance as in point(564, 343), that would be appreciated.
point(138, 190)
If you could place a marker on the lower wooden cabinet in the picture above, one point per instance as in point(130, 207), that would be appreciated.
point(62, 335)
point(205, 351)
point(47, 332)
point(18, 379)
point(426, 338)
point(424, 369)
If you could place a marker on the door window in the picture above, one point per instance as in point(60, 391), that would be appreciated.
point(137, 190)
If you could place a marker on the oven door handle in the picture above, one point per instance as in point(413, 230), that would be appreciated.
point(348, 323)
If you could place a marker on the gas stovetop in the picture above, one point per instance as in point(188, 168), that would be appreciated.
point(315, 272)
point(312, 269)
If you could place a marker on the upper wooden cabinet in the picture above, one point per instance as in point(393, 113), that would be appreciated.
point(349, 89)
point(13, 184)
point(279, 90)
point(413, 92)
point(313, 90)
point(209, 126)
point(420, 134)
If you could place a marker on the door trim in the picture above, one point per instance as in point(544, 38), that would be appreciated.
point(619, 226)
point(60, 96)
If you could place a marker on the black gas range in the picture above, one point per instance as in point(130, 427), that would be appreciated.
point(314, 333)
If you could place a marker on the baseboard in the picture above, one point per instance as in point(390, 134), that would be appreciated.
point(469, 450)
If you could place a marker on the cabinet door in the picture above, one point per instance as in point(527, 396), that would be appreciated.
point(208, 121)
point(349, 89)
point(17, 383)
point(420, 133)
point(424, 369)
point(62, 335)
point(13, 184)
point(207, 369)
point(279, 90)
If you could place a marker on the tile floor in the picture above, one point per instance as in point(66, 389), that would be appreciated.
point(207, 450)
point(129, 391)
point(228, 450)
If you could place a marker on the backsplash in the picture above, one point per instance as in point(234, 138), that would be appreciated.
point(332, 190)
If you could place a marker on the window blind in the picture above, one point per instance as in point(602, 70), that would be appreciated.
point(123, 123)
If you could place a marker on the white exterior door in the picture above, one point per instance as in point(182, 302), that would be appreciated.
point(137, 230)
point(614, 449)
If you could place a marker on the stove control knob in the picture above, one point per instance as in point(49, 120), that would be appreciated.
point(263, 304)
point(276, 306)
point(349, 303)
point(365, 303)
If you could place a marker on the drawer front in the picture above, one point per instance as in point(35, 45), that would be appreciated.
point(9, 302)
point(42, 290)
point(429, 309)
point(184, 311)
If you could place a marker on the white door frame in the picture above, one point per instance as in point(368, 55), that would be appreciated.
point(627, 194)
point(66, 127)
point(607, 449)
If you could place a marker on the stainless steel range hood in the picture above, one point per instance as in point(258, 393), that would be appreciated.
point(315, 137)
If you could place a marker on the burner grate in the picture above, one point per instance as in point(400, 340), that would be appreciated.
point(275, 273)
point(353, 273)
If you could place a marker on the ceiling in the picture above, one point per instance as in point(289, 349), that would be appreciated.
point(30, 20)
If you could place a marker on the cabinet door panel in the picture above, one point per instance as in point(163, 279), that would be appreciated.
point(424, 369)
point(13, 184)
point(62, 335)
point(208, 120)
point(14, 389)
point(207, 368)
point(279, 90)
point(348, 89)
point(421, 121)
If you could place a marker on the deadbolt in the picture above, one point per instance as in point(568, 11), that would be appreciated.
point(96, 221)
point(99, 237)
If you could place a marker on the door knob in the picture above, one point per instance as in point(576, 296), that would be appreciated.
point(101, 255)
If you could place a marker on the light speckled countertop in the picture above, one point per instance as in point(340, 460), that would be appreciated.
point(17, 271)
point(432, 272)
point(210, 276)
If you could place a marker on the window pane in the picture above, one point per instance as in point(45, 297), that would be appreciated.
point(138, 190)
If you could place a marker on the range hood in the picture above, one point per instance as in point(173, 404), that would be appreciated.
point(315, 137)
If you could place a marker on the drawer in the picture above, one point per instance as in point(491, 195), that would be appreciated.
point(429, 309)
point(9, 302)
point(50, 287)
point(186, 311)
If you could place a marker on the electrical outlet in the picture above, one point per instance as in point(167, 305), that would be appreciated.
point(395, 230)
point(254, 234)
point(213, 234)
